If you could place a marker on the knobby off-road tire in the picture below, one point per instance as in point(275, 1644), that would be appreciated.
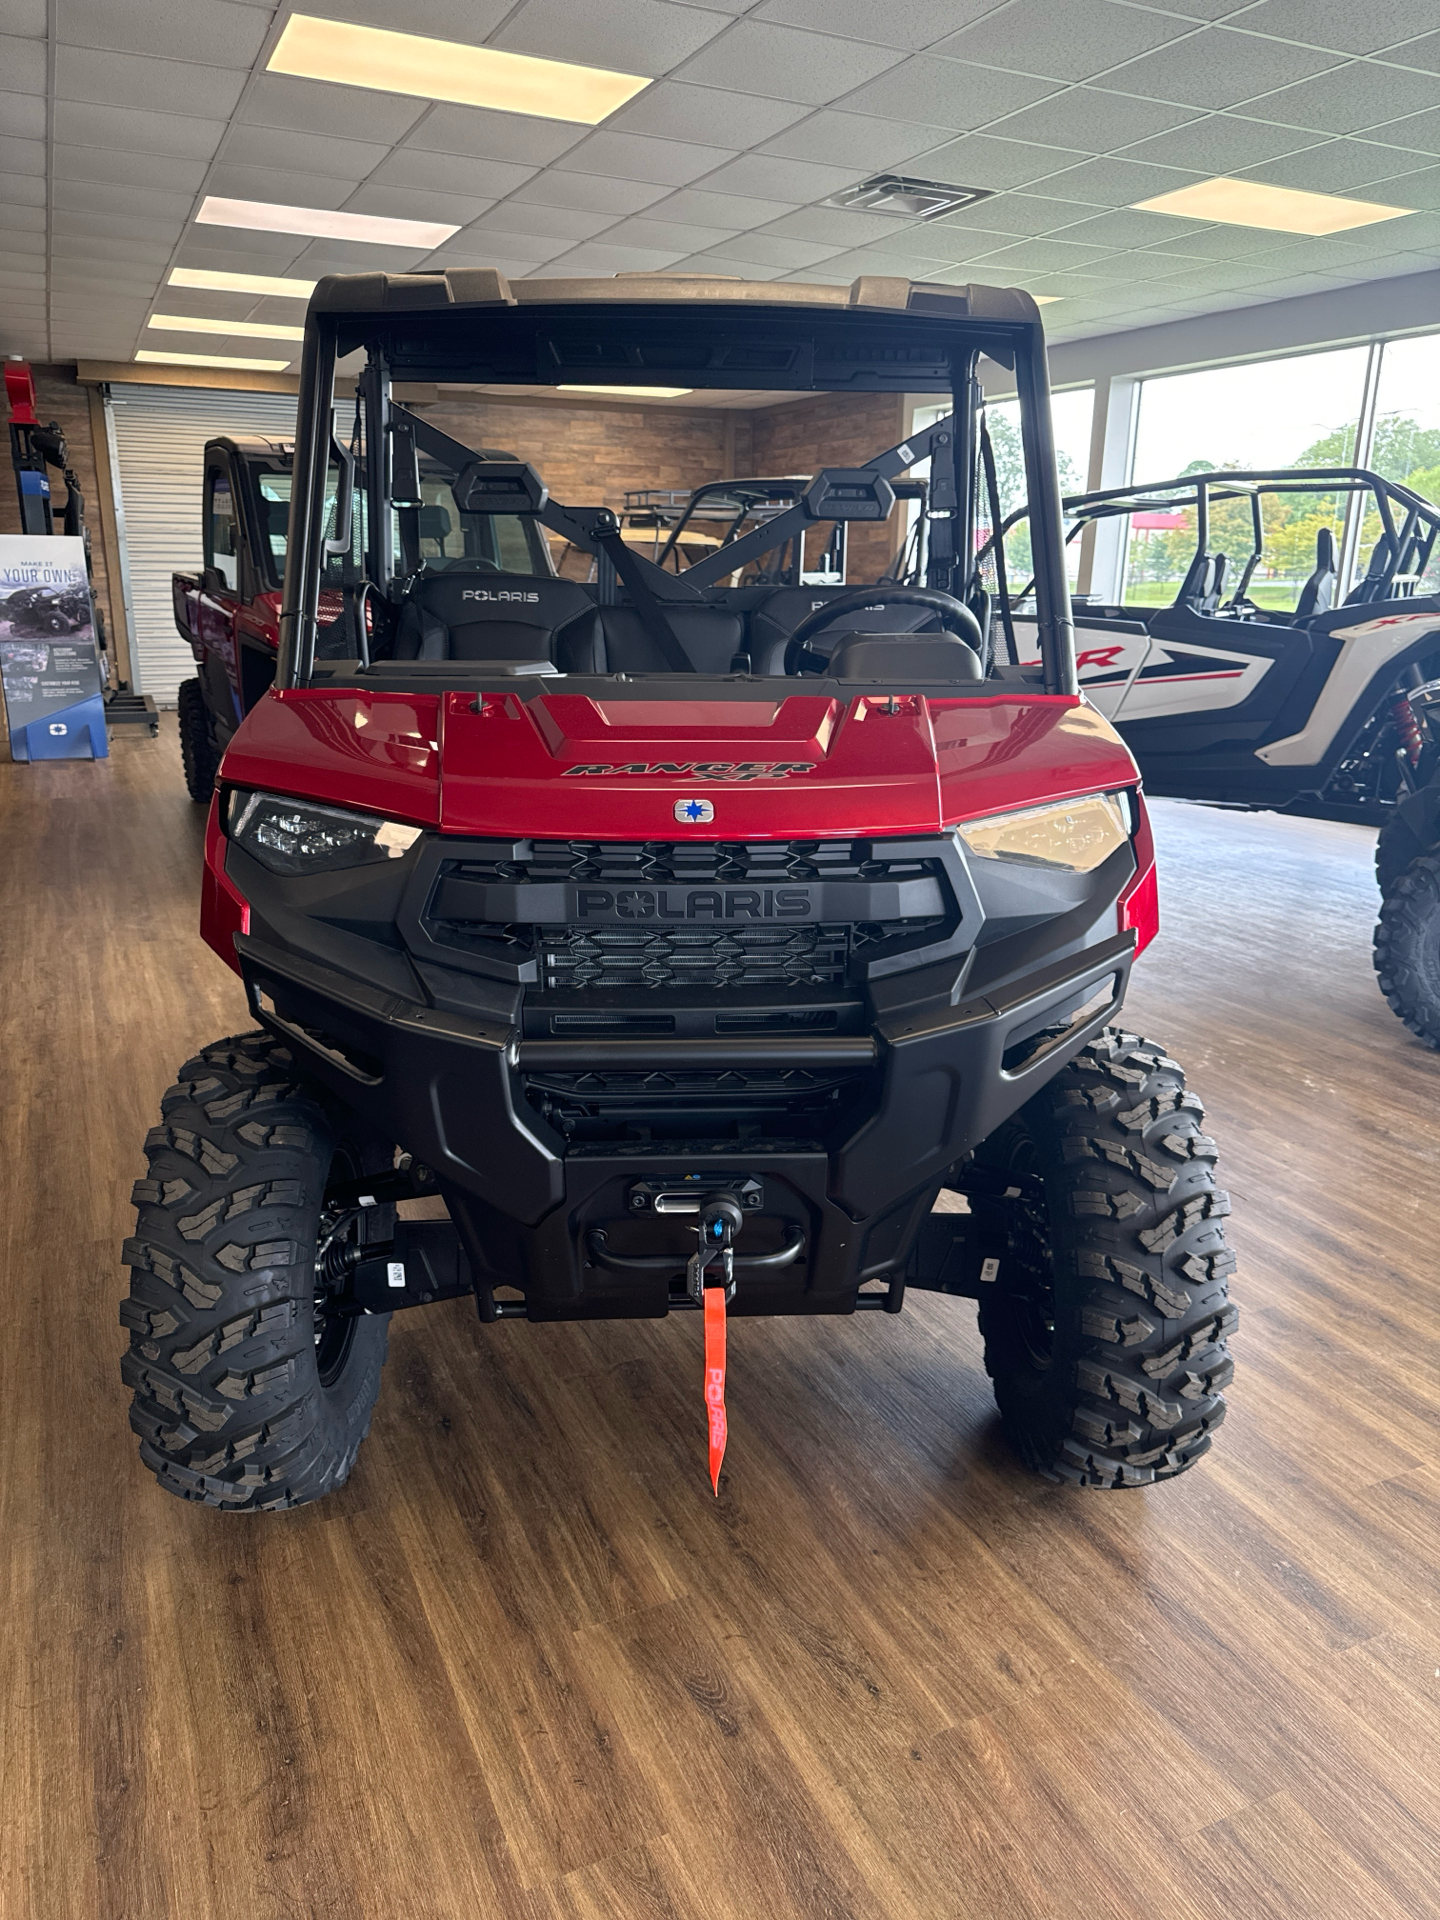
point(197, 749)
point(1105, 1328)
point(246, 1394)
point(1407, 948)
point(1395, 847)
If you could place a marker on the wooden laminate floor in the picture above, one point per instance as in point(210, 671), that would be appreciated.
point(524, 1666)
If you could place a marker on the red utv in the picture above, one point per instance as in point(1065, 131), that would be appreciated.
point(688, 938)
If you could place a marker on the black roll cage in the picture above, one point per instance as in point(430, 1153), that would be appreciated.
point(1409, 522)
point(470, 328)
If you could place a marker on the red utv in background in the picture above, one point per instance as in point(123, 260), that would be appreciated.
point(688, 937)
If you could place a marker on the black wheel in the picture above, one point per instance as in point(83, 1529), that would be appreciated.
point(1106, 1321)
point(250, 1389)
point(198, 751)
point(1395, 847)
point(1407, 948)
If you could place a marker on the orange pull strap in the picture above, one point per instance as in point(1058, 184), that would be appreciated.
point(715, 1379)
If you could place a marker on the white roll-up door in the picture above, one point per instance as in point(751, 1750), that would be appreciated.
point(160, 435)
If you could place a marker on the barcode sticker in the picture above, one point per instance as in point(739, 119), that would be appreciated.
point(395, 1273)
point(989, 1270)
point(905, 453)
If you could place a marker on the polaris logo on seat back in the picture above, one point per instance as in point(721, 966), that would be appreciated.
point(703, 769)
point(694, 903)
point(484, 593)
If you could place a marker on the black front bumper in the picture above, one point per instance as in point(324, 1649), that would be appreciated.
point(938, 1075)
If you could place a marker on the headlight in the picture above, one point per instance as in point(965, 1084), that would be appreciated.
point(297, 836)
point(1075, 837)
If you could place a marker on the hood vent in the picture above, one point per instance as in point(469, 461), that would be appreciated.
point(907, 199)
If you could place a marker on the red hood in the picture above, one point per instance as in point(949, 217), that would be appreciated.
point(567, 765)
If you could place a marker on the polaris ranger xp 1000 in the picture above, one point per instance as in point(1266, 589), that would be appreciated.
point(688, 939)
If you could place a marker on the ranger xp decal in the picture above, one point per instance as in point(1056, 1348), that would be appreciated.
point(703, 769)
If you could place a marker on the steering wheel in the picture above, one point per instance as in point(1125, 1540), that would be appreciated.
point(953, 615)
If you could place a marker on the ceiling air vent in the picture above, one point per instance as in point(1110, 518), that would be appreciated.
point(907, 199)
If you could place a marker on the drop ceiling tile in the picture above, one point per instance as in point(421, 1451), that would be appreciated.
point(981, 160)
point(1219, 68)
point(911, 24)
point(1423, 53)
point(196, 303)
point(22, 62)
point(22, 219)
point(1221, 143)
point(562, 223)
point(1218, 243)
point(752, 56)
point(1348, 99)
point(635, 156)
point(336, 256)
point(934, 242)
point(22, 115)
point(849, 266)
point(278, 185)
point(409, 203)
point(99, 226)
point(208, 31)
point(186, 136)
point(771, 250)
point(1086, 39)
point(483, 135)
point(596, 256)
point(211, 248)
point(21, 189)
point(279, 147)
point(109, 196)
point(591, 193)
point(136, 80)
point(1043, 256)
point(855, 139)
point(721, 209)
point(22, 156)
point(1335, 166)
point(1419, 188)
point(1126, 228)
point(1017, 213)
point(680, 235)
point(468, 21)
point(1338, 24)
point(718, 117)
point(1117, 183)
point(25, 17)
point(724, 266)
point(317, 106)
point(497, 262)
point(833, 225)
point(1092, 120)
point(765, 176)
point(947, 93)
point(107, 166)
point(629, 36)
point(1146, 266)
point(1420, 131)
point(95, 247)
point(419, 172)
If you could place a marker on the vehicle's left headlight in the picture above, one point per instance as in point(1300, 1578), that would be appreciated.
point(1075, 837)
point(299, 836)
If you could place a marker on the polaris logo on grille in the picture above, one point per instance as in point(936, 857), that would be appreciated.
point(702, 769)
point(483, 593)
point(694, 903)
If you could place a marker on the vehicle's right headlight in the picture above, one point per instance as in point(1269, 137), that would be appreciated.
point(301, 836)
point(1075, 837)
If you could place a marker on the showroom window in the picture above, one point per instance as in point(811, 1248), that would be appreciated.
point(1405, 440)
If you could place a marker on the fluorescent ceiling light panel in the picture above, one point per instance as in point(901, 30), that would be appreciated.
point(212, 360)
point(634, 393)
point(410, 63)
point(237, 329)
point(208, 282)
point(322, 223)
point(1249, 203)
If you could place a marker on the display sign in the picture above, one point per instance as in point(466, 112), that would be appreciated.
point(50, 666)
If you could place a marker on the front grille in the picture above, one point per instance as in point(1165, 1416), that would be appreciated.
point(690, 862)
point(703, 957)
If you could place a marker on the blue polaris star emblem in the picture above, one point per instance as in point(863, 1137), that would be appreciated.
point(694, 812)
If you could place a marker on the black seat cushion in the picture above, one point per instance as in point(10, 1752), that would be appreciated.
point(775, 613)
point(710, 637)
point(1318, 593)
point(905, 656)
point(494, 616)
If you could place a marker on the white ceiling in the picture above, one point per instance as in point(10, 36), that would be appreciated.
point(117, 116)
